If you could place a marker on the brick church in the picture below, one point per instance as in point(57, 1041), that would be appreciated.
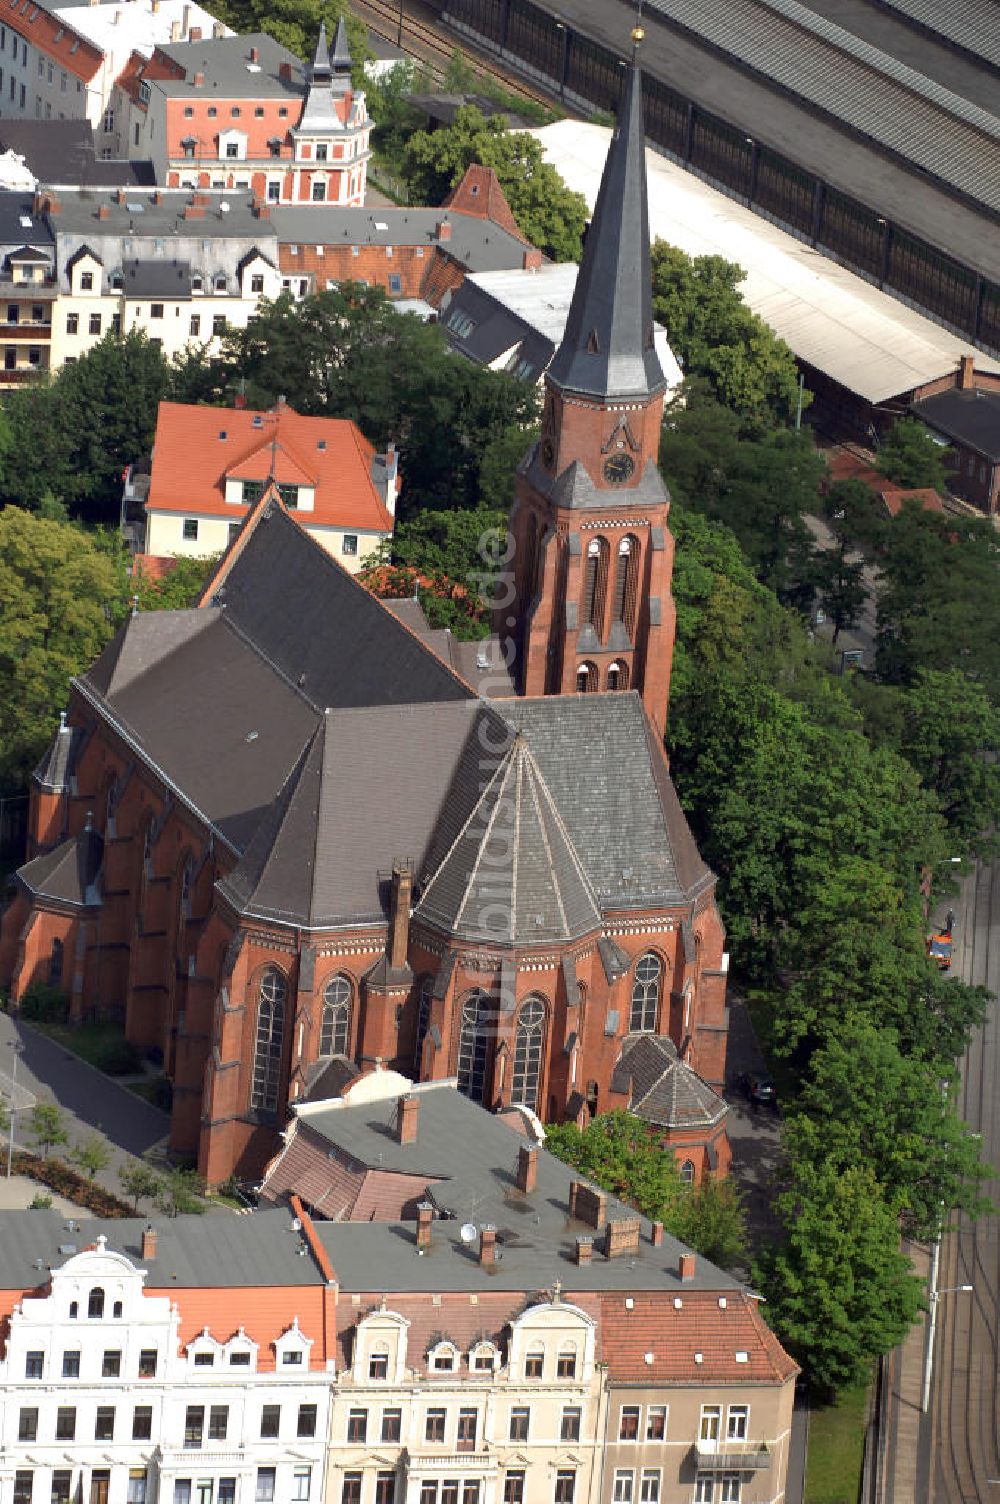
point(291, 825)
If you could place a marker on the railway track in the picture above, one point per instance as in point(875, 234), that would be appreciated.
point(427, 44)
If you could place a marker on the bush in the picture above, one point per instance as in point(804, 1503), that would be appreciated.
point(40, 1203)
point(66, 1182)
point(43, 1004)
point(119, 1058)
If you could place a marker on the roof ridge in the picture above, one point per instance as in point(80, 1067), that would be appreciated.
point(500, 774)
point(553, 811)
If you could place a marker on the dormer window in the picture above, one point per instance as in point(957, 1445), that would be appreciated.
point(483, 1358)
point(240, 1351)
point(378, 1366)
point(566, 1363)
point(534, 1363)
point(443, 1358)
point(292, 1348)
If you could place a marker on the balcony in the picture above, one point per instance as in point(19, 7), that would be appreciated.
point(26, 331)
point(731, 1456)
point(462, 1462)
point(22, 376)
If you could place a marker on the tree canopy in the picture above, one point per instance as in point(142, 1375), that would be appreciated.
point(548, 213)
point(910, 457)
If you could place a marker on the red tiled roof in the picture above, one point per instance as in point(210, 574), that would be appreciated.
point(191, 461)
point(928, 498)
point(322, 1183)
point(263, 1313)
point(479, 193)
point(673, 1336)
point(153, 566)
point(388, 1196)
point(53, 37)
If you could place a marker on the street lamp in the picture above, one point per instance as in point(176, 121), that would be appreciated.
point(935, 1296)
point(15, 1045)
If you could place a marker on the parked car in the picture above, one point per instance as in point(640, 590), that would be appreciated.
point(939, 948)
point(759, 1090)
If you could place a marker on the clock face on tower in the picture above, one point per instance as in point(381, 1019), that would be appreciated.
point(619, 468)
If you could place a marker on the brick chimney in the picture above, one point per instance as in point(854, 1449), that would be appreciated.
point(262, 211)
point(255, 54)
point(407, 1117)
point(966, 373)
point(121, 196)
point(657, 1238)
point(527, 1168)
point(425, 1216)
point(148, 1249)
point(531, 259)
point(285, 72)
point(103, 212)
point(584, 1250)
point(399, 914)
point(686, 1266)
point(240, 400)
point(444, 229)
point(199, 80)
point(488, 1246)
point(194, 35)
point(621, 1236)
point(588, 1204)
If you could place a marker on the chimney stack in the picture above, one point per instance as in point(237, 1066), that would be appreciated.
point(194, 35)
point(285, 72)
point(657, 1238)
point(686, 1266)
point(584, 1250)
point(148, 1250)
point(399, 914)
point(255, 54)
point(444, 230)
point(425, 1216)
point(531, 259)
point(199, 80)
point(121, 196)
point(175, 31)
point(527, 1168)
point(407, 1114)
point(621, 1236)
point(588, 1204)
point(103, 212)
point(967, 373)
point(488, 1246)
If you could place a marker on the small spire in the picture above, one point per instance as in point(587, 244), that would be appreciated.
point(341, 56)
point(321, 57)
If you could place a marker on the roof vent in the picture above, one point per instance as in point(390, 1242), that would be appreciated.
point(742, 1356)
point(699, 1357)
point(252, 736)
point(258, 422)
point(223, 207)
point(380, 224)
point(253, 67)
point(678, 1303)
point(723, 1302)
point(649, 1359)
point(222, 433)
point(320, 443)
point(67, 1248)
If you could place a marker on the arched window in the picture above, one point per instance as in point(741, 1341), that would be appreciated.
point(645, 994)
point(270, 1037)
point(473, 1046)
point(687, 1172)
point(586, 679)
point(595, 585)
point(74, 1310)
point(618, 675)
point(566, 1363)
point(187, 879)
point(95, 1302)
point(528, 1054)
point(626, 583)
point(335, 1030)
point(56, 964)
point(423, 1021)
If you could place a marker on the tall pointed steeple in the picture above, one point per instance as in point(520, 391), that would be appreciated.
point(319, 71)
point(340, 60)
point(607, 349)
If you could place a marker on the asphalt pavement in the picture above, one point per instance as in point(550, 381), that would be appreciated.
point(90, 1101)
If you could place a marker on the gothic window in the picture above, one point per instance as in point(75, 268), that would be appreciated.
point(645, 994)
point(618, 675)
point(56, 964)
point(473, 1046)
point(335, 1029)
point(423, 1021)
point(626, 582)
point(586, 679)
point(271, 994)
point(528, 1054)
point(687, 1172)
point(595, 584)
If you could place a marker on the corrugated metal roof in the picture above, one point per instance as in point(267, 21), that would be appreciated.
point(832, 319)
point(972, 24)
point(867, 89)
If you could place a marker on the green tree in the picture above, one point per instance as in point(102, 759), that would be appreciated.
point(548, 213)
point(910, 457)
point(855, 515)
point(179, 1194)
point(710, 1218)
point(839, 582)
point(295, 24)
point(139, 1181)
point(91, 1156)
point(56, 594)
point(718, 340)
point(178, 589)
point(47, 1128)
point(840, 1292)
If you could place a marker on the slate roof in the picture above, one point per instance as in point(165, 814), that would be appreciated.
point(55, 769)
point(223, 61)
point(663, 1089)
point(969, 417)
point(62, 151)
point(968, 24)
point(511, 875)
point(68, 873)
point(168, 279)
point(607, 349)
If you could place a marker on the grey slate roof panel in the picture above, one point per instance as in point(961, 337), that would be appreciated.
point(869, 90)
point(68, 872)
point(478, 244)
point(169, 279)
point(971, 24)
point(664, 1090)
point(55, 768)
point(968, 417)
point(224, 62)
point(607, 349)
point(316, 624)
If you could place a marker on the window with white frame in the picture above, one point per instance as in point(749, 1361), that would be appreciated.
point(649, 1486)
point(732, 1488)
point(443, 1358)
point(628, 1425)
point(704, 1489)
point(656, 1423)
point(624, 1484)
point(710, 1424)
point(737, 1421)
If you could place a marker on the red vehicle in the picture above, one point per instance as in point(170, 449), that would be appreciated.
point(939, 948)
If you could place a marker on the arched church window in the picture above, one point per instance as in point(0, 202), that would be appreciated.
point(528, 1049)
point(687, 1172)
point(645, 994)
point(473, 1046)
point(586, 679)
point(626, 583)
point(271, 994)
point(423, 1021)
point(595, 584)
point(335, 1029)
point(618, 675)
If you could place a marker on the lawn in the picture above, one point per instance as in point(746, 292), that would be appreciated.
point(836, 1448)
point(101, 1044)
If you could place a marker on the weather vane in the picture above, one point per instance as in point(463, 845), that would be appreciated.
point(638, 30)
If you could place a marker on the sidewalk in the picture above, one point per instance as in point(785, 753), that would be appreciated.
point(903, 1395)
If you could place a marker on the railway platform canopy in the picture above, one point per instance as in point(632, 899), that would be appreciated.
point(862, 339)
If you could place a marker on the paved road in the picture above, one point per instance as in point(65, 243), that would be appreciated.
point(960, 1441)
point(90, 1101)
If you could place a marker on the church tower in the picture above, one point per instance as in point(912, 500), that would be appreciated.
point(593, 555)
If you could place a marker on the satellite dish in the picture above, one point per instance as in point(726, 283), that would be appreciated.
point(468, 1232)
